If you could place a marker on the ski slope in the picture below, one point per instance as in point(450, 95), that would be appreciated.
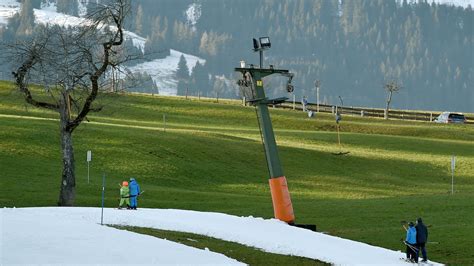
point(8, 8)
point(162, 71)
point(61, 235)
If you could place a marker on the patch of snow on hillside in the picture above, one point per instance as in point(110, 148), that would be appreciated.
point(462, 3)
point(162, 71)
point(138, 41)
point(49, 5)
point(52, 17)
point(193, 13)
point(82, 8)
point(8, 8)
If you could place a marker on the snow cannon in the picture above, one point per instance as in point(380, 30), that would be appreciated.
point(251, 86)
point(125, 183)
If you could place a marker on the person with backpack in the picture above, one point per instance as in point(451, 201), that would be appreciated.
point(134, 193)
point(421, 238)
point(410, 242)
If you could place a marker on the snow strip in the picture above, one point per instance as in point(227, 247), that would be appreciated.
point(27, 224)
point(68, 236)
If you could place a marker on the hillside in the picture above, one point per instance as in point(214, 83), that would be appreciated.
point(210, 158)
point(352, 47)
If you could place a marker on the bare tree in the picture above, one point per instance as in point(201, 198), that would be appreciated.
point(391, 87)
point(70, 63)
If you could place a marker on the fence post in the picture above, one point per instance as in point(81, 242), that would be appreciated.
point(317, 94)
point(103, 196)
point(294, 99)
point(332, 109)
point(362, 113)
point(164, 122)
point(431, 117)
point(243, 101)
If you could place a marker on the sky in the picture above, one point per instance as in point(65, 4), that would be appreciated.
point(74, 235)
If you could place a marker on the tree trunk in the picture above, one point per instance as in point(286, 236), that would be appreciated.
point(388, 104)
point(68, 180)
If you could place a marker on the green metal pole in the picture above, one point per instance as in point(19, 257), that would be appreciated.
point(281, 200)
point(273, 160)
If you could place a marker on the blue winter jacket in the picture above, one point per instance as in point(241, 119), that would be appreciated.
point(134, 187)
point(411, 235)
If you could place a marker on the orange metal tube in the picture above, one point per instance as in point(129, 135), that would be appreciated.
point(282, 206)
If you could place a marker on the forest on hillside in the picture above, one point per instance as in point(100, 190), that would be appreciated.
point(353, 47)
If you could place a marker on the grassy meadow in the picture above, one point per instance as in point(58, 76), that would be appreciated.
point(210, 158)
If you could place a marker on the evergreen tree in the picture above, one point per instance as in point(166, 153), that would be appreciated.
point(182, 74)
point(200, 78)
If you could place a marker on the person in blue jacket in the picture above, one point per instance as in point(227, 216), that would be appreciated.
point(134, 193)
point(410, 242)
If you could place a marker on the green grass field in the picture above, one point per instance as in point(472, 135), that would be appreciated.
point(210, 158)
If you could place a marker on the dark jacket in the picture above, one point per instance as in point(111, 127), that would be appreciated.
point(421, 233)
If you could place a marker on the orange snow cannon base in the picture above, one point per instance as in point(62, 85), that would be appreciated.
point(282, 206)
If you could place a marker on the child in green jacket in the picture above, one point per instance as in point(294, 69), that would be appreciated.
point(124, 195)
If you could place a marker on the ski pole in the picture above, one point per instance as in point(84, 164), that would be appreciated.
point(410, 246)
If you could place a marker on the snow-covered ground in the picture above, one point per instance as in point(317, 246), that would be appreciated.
point(50, 16)
point(8, 8)
point(54, 235)
point(162, 71)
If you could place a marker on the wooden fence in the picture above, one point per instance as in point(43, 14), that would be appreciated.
point(369, 112)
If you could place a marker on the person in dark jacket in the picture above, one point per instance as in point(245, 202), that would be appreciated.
point(421, 237)
point(410, 242)
point(134, 193)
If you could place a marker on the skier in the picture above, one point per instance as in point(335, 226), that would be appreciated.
point(304, 102)
point(338, 117)
point(410, 242)
point(134, 193)
point(421, 238)
point(124, 195)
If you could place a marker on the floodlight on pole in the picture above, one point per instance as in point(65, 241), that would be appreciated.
point(263, 43)
point(256, 45)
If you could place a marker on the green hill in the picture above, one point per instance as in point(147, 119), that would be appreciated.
point(210, 158)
